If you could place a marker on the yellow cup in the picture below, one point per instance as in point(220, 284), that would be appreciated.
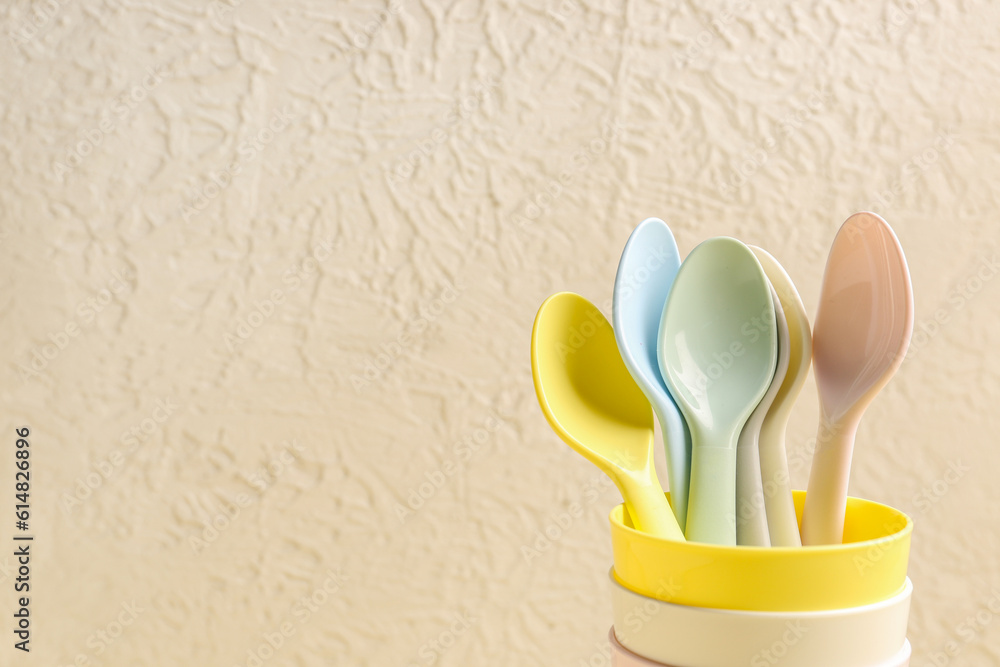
point(869, 567)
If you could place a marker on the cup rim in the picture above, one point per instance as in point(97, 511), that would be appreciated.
point(808, 578)
point(617, 518)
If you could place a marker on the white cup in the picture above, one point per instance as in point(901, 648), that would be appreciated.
point(622, 657)
point(660, 633)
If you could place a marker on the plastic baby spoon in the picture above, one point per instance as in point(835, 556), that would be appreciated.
point(717, 352)
point(594, 405)
point(646, 273)
point(751, 514)
point(862, 332)
point(782, 523)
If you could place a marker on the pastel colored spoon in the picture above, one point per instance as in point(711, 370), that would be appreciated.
point(862, 332)
point(717, 353)
point(646, 273)
point(751, 515)
point(795, 341)
point(594, 405)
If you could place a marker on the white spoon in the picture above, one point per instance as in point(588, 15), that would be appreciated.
point(782, 522)
point(751, 515)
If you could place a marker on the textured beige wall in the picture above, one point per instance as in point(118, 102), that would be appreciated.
point(351, 303)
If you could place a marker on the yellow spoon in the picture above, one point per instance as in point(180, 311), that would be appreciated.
point(594, 405)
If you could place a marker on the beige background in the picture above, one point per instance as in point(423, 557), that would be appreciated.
point(361, 369)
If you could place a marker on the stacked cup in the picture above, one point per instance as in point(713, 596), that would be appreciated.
point(687, 604)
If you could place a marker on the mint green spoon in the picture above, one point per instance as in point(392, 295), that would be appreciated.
point(717, 350)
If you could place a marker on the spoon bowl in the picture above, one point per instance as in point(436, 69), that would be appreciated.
point(717, 353)
point(863, 328)
point(594, 405)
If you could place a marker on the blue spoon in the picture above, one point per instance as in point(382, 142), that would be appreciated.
point(646, 273)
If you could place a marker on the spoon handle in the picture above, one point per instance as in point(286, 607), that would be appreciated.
point(648, 507)
point(677, 443)
point(712, 500)
point(826, 496)
point(782, 523)
point(751, 516)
